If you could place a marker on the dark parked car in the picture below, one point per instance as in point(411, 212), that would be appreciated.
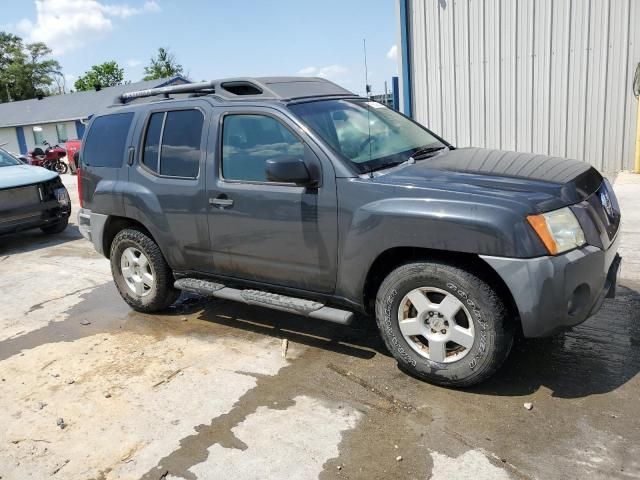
point(31, 197)
point(295, 194)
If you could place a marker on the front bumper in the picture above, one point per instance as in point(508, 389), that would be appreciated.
point(553, 294)
point(42, 212)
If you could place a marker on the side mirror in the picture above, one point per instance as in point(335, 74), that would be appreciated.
point(288, 169)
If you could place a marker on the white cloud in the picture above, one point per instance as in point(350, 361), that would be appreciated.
point(133, 62)
point(67, 24)
point(331, 72)
point(307, 71)
point(392, 54)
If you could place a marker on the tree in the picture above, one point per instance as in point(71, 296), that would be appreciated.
point(164, 65)
point(106, 74)
point(25, 71)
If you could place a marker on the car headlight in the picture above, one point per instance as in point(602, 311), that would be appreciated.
point(559, 230)
point(62, 196)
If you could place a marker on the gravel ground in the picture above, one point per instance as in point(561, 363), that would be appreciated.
point(90, 389)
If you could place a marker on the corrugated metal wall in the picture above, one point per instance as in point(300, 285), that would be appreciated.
point(545, 76)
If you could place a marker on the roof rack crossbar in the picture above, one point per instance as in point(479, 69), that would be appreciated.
point(151, 92)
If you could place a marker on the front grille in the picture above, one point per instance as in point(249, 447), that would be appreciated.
point(605, 205)
point(13, 198)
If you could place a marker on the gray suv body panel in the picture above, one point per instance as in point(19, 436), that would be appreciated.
point(322, 241)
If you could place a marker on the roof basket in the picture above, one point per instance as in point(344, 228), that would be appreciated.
point(200, 87)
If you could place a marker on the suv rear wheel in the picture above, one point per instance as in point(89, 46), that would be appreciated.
point(443, 324)
point(141, 273)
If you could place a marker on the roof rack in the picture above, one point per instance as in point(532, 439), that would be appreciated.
point(244, 88)
point(200, 87)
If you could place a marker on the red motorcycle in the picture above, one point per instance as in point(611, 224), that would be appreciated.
point(49, 158)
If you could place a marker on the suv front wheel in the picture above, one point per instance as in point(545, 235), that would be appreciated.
point(140, 272)
point(443, 324)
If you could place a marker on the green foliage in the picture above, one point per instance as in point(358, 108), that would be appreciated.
point(24, 70)
point(163, 65)
point(106, 74)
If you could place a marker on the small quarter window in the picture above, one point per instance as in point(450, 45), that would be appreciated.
point(151, 150)
point(248, 141)
point(172, 143)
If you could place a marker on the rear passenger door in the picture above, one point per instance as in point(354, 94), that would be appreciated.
point(168, 179)
point(269, 232)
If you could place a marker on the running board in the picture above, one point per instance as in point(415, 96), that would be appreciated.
point(307, 308)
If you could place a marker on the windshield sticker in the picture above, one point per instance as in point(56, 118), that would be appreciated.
point(375, 105)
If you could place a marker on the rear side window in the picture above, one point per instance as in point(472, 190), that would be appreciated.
point(106, 140)
point(172, 143)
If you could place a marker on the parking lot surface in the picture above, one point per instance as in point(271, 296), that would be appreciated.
point(213, 389)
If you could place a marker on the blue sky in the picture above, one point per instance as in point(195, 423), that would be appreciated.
point(217, 38)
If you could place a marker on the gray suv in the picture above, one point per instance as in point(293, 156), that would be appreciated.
point(295, 194)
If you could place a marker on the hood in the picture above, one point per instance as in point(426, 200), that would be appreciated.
point(544, 182)
point(19, 175)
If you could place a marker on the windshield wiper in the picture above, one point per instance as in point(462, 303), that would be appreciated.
point(426, 152)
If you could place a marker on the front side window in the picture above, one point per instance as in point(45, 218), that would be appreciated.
point(248, 141)
point(367, 134)
point(172, 143)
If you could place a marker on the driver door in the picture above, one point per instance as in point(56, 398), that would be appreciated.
point(263, 231)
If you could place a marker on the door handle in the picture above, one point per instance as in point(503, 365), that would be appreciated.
point(221, 201)
point(130, 156)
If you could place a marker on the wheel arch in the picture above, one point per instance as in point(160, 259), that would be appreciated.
point(116, 224)
point(392, 258)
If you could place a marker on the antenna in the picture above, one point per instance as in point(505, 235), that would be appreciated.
point(367, 87)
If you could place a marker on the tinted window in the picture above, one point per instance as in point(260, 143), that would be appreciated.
point(106, 140)
point(248, 141)
point(152, 140)
point(180, 138)
point(180, 155)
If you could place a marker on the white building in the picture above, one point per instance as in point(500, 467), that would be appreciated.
point(60, 117)
point(546, 76)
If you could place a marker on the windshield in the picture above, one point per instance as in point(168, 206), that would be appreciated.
point(367, 134)
point(8, 160)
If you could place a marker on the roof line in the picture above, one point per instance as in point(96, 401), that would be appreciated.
point(10, 125)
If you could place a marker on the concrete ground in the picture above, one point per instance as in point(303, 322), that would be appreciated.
point(207, 390)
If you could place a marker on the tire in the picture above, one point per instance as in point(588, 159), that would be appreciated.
point(156, 294)
point(61, 167)
point(482, 323)
point(57, 227)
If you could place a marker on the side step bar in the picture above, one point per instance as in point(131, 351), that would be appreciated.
point(307, 308)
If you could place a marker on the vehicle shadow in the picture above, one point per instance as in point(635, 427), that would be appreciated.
point(30, 240)
point(595, 357)
point(360, 339)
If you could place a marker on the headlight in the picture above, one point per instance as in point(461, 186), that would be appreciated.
point(62, 196)
point(559, 230)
